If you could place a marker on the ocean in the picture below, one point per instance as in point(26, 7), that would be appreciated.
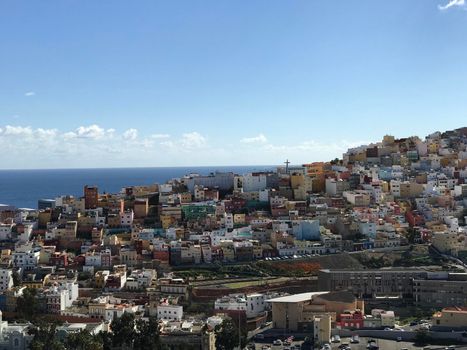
point(23, 188)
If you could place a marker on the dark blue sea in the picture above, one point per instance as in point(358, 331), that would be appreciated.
point(22, 188)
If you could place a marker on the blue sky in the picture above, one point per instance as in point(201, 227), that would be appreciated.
point(215, 82)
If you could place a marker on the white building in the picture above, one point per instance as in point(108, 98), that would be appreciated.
point(5, 231)
point(228, 220)
point(26, 257)
point(253, 304)
point(126, 218)
point(14, 336)
point(140, 279)
point(254, 182)
point(169, 312)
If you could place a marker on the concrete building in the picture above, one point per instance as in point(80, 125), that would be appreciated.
point(26, 257)
point(446, 242)
point(187, 335)
point(254, 182)
point(371, 283)
point(14, 336)
point(165, 311)
point(43, 204)
point(6, 279)
point(91, 197)
point(5, 231)
point(306, 229)
point(222, 181)
point(298, 312)
point(441, 289)
point(336, 187)
point(450, 319)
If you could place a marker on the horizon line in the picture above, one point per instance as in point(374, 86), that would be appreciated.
point(143, 167)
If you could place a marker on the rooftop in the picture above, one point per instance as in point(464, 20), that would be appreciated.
point(295, 298)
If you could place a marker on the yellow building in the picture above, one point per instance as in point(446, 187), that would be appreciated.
point(228, 250)
point(296, 180)
point(446, 242)
point(257, 249)
point(44, 217)
point(113, 220)
point(141, 207)
point(451, 317)
point(100, 278)
point(388, 140)
point(129, 256)
point(35, 282)
point(297, 312)
point(45, 254)
point(185, 197)
point(239, 219)
point(314, 169)
point(433, 147)
point(167, 221)
point(322, 328)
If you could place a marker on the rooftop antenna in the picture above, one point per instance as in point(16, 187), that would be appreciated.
point(287, 166)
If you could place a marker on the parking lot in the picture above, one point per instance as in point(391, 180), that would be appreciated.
point(383, 344)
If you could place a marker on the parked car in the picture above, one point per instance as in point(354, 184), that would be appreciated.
point(355, 339)
point(335, 339)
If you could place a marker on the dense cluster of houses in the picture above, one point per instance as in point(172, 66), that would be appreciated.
point(80, 252)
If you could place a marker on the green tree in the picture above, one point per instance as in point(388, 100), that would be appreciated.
point(45, 338)
point(105, 338)
point(147, 334)
point(83, 340)
point(123, 329)
point(16, 278)
point(227, 334)
point(27, 305)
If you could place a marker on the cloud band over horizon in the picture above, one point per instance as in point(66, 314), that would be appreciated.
point(96, 146)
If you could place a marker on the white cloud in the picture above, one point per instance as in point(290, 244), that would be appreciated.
point(168, 144)
point(256, 139)
point(17, 130)
point(46, 133)
point(30, 93)
point(40, 147)
point(452, 3)
point(160, 136)
point(88, 132)
point(193, 140)
point(130, 134)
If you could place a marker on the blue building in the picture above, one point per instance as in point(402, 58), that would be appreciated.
point(306, 230)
